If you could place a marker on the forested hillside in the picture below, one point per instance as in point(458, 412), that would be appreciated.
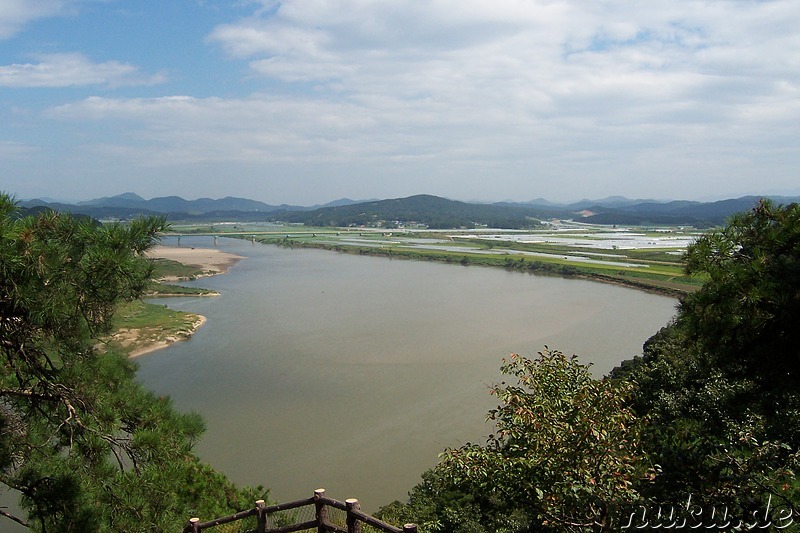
point(430, 211)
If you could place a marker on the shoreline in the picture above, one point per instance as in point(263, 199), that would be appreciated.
point(197, 323)
point(212, 262)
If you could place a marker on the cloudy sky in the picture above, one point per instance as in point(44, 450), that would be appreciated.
point(307, 101)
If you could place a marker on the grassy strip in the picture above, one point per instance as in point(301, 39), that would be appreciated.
point(661, 278)
point(158, 289)
point(139, 325)
point(139, 314)
point(167, 268)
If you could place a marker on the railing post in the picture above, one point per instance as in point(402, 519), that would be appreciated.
point(353, 523)
point(261, 514)
point(322, 511)
point(410, 528)
point(191, 526)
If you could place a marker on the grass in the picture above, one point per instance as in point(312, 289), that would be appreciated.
point(158, 289)
point(138, 324)
point(140, 314)
point(167, 268)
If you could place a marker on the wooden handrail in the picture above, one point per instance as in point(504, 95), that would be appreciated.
point(355, 517)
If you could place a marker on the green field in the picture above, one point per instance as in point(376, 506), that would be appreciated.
point(645, 259)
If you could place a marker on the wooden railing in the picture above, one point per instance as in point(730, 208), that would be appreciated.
point(351, 520)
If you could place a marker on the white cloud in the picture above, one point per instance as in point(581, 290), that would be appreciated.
point(500, 53)
point(259, 129)
point(73, 69)
point(15, 14)
point(16, 150)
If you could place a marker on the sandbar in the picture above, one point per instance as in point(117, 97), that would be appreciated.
point(209, 260)
point(132, 336)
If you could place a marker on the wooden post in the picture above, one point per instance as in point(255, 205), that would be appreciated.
point(353, 523)
point(322, 511)
point(410, 528)
point(261, 525)
point(191, 527)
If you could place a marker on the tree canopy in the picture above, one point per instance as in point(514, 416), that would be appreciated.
point(82, 444)
point(565, 456)
point(745, 315)
point(566, 446)
point(719, 385)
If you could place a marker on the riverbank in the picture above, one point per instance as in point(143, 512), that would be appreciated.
point(144, 340)
point(142, 328)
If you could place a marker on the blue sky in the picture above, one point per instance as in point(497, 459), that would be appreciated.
point(307, 101)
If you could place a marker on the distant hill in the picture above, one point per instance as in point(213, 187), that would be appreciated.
point(129, 205)
point(431, 211)
point(610, 202)
point(681, 212)
point(436, 212)
point(121, 200)
point(176, 204)
point(422, 209)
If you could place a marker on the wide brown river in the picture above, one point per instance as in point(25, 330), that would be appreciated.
point(320, 369)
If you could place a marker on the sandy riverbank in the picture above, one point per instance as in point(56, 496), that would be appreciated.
point(132, 336)
point(209, 260)
point(212, 262)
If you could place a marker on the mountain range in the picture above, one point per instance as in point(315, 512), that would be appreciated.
point(428, 210)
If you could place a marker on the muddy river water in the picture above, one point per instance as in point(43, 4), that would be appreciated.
point(321, 369)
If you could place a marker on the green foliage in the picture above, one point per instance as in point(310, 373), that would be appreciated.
point(565, 456)
point(83, 444)
point(437, 505)
point(167, 268)
point(720, 384)
point(718, 439)
point(745, 316)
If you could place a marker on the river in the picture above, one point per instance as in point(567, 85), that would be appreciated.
point(320, 369)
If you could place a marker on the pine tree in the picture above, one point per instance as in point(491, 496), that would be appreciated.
point(84, 446)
